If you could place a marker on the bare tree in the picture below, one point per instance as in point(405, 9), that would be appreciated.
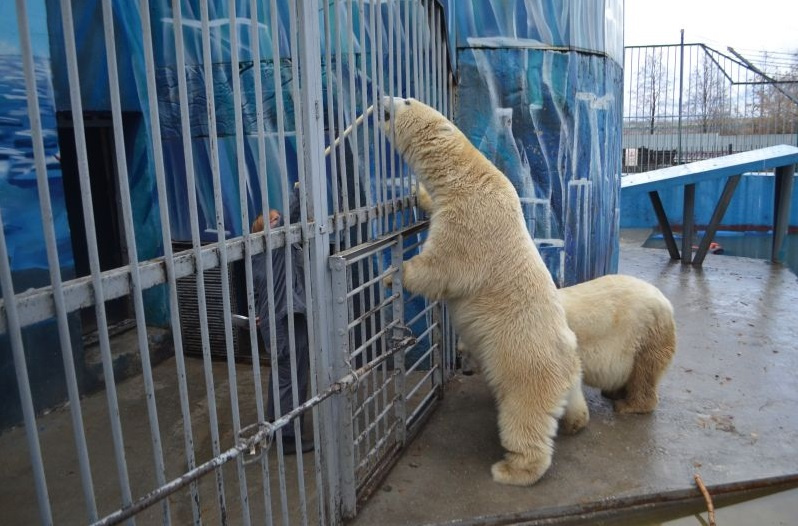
point(652, 85)
point(708, 100)
point(774, 103)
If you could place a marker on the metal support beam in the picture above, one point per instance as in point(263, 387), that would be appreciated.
point(687, 223)
point(781, 207)
point(717, 217)
point(664, 225)
point(343, 440)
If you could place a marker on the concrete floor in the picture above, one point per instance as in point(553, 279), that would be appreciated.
point(728, 410)
point(62, 471)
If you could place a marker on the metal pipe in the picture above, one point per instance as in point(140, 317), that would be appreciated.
point(23, 383)
point(210, 108)
point(53, 263)
point(68, 27)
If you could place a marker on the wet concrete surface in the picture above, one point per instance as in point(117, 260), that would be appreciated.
point(63, 474)
point(728, 409)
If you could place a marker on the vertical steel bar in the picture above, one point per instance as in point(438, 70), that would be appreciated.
point(784, 180)
point(377, 289)
point(407, 57)
point(397, 256)
point(353, 110)
point(394, 87)
point(262, 177)
point(76, 103)
point(280, 111)
point(350, 33)
point(326, 432)
point(681, 84)
point(687, 223)
point(434, 59)
point(53, 263)
point(340, 368)
point(313, 178)
point(210, 391)
point(374, 176)
point(341, 121)
point(23, 383)
point(428, 91)
point(416, 47)
point(330, 111)
point(371, 175)
point(127, 215)
point(243, 175)
point(300, 130)
point(365, 51)
point(220, 230)
point(380, 118)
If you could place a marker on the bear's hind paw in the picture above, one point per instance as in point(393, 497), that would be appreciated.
point(510, 472)
point(573, 423)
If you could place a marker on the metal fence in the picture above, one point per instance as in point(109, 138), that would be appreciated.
point(188, 440)
point(687, 102)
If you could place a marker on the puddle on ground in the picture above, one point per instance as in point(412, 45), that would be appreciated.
point(774, 509)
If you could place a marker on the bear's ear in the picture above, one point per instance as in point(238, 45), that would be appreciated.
point(445, 128)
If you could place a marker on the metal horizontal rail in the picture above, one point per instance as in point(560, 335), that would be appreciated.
point(265, 432)
point(355, 254)
point(387, 301)
point(371, 282)
point(376, 449)
point(379, 418)
point(357, 352)
point(366, 401)
point(37, 305)
point(421, 382)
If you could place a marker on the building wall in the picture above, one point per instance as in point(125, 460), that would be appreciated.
point(19, 205)
point(540, 94)
point(751, 208)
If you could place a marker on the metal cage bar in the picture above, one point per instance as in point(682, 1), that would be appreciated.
point(313, 130)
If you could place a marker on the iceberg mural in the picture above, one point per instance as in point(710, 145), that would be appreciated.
point(552, 73)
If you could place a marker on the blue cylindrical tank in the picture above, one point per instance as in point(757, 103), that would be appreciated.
point(540, 94)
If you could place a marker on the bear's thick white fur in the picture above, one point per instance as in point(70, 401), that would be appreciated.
point(625, 333)
point(480, 258)
point(626, 336)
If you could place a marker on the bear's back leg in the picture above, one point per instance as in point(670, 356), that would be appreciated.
point(526, 429)
point(652, 359)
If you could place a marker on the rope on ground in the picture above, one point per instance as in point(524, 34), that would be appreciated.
point(707, 498)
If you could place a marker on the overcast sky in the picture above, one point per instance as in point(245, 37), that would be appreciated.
point(750, 27)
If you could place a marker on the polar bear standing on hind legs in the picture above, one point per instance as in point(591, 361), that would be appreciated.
point(480, 258)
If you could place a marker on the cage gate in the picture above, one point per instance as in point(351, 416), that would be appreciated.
point(176, 414)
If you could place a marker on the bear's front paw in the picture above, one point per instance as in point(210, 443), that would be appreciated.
point(387, 281)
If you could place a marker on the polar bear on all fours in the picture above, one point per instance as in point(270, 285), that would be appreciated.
point(625, 336)
point(480, 258)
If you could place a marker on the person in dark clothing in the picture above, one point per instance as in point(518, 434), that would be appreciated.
point(282, 313)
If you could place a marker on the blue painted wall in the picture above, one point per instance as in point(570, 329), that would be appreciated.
point(540, 94)
point(19, 205)
point(750, 208)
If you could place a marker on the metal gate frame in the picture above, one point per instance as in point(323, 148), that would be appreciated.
point(385, 225)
